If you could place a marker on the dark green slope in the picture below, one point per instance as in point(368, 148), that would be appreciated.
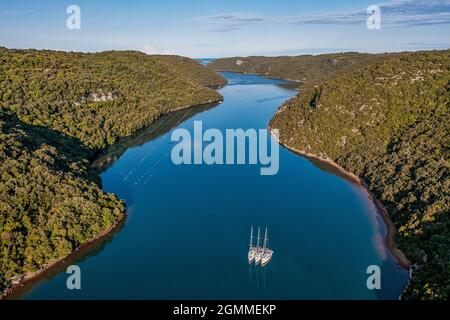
point(58, 111)
point(100, 97)
point(194, 69)
point(50, 200)
point(306, 68)
point(389, 123)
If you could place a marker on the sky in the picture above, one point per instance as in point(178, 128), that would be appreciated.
point(210, 28)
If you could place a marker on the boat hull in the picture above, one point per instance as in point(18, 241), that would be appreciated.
point(267, 256)
point(258, 257)
point(251, 255)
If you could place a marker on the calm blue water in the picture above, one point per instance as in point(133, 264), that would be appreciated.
point(187, 231)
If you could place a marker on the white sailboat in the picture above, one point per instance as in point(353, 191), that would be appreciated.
point(251, 250)
point(259, 251)
point(267, 253)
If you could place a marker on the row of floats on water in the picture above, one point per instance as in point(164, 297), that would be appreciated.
point(259, 254)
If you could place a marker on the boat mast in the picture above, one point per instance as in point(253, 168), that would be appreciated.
point(265, 239)
point(251, 237)
point(257, 242)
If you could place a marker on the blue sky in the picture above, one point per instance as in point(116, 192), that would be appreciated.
point(210, 28)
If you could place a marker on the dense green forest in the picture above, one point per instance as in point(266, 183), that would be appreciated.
point(308, 69)
point(388, 123)
point(193, 69)
point(96, 98)
point(58, 111)
point(50, 200)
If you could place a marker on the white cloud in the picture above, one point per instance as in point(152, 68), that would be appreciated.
point(231, 21)
point(394, 14)
point(148, 49)
point(16, 12)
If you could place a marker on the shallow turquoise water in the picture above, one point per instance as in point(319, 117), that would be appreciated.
point(186, 235)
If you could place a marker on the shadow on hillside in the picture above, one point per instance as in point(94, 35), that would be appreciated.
point(35, 136)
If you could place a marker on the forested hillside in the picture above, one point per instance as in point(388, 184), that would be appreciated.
point(57, 111)
point(96, 98)
point(192, 68)
point(50, 201)
point(388, 123)
point(306, 68)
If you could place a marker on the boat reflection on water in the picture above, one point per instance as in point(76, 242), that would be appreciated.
point(257, 275)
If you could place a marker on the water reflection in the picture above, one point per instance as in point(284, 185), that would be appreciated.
point(155, 130)
point(257, 276)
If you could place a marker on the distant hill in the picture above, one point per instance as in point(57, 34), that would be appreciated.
point(58, 110)
point(308, 69)
point(388, 123)
point(194, 69)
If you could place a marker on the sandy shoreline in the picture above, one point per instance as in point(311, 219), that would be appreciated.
point(81, 249)
point(391, 230)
